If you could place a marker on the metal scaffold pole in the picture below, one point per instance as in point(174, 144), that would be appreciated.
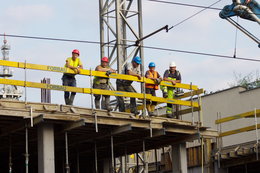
point(256, 133)
point(92, 104)
point(96, 158)
point(191, 99)
point(10, 155)
point(112, 155)
point(67, 167)
point(26, 151)
point(144, 159)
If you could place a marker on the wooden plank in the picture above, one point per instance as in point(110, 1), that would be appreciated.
point(238, 116)
point(121, 129)
point(73, 125)
point(240, 130)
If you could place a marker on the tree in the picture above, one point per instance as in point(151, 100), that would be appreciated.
point(249, 81)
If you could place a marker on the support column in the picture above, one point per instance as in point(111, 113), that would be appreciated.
point(106, 166)
point(179, 158)
point(46, 148)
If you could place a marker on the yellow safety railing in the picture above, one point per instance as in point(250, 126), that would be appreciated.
point(194, 90)
point(250, 114)
point(93, 73)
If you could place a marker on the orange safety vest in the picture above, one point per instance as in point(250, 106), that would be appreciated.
point(153, 75)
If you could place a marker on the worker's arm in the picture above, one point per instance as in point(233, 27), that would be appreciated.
point(100, 68)
point(80, 67)
point(165, 77)
point(129, 72)
point(69, 66)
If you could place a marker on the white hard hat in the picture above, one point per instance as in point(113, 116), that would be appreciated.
point(172, 64)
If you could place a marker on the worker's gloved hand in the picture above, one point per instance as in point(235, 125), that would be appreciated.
point(108, 72)
point(158, 81)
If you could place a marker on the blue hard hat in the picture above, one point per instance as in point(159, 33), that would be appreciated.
point(151, 64)
point(137, 59)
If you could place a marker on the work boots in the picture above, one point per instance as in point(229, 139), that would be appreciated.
point(107, 104)
point(72, 96)
point(67, 101)
point(97, 104)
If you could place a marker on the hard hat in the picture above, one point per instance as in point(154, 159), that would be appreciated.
point(137, 59)
point(75, 51)
point(105, 59)
point(151, 64)
point(172, 64)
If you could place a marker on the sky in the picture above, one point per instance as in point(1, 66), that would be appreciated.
point(79, 20)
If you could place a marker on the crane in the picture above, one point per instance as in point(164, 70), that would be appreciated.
point(246, 9)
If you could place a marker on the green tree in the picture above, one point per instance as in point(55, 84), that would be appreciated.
point(249, 81)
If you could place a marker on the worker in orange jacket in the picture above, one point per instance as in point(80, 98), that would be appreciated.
point(151, 88)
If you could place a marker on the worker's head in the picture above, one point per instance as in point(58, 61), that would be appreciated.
point(151, 66)
point(104, 61)
point(75, 53)
point(136, 61)
point(172, 66)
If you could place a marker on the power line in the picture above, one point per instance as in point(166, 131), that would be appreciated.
point(48, 38)
point(189, 5)
point(193, 15)
point(183, 4)
point(201, 53)
point(147, 47)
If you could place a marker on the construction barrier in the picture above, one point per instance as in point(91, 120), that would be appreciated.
point(194, 90)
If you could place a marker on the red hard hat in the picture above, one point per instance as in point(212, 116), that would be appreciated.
point(105, 59)
point(75, 51)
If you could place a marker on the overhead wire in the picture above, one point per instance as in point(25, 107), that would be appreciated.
point(184, 4)
point(189, 5)
point(201, 53)
point(195, 14)
point(147, 47)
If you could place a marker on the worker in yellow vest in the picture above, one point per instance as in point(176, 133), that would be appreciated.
point(151, 88)
point(68, 79)
point(172, 75)
point(103, 83)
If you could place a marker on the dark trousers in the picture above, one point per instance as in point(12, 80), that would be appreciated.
point(128, 88)
point(152, 92)
point(103, 86)
point(68, 80)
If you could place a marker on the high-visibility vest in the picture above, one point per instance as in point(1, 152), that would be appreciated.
point(101, 80)
point(153, 75)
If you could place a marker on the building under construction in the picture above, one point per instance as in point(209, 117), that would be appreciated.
point(48, 138)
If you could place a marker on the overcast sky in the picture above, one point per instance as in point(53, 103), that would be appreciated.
point(79, 19)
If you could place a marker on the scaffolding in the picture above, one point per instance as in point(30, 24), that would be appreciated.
point(88, 139)
point(239, 150)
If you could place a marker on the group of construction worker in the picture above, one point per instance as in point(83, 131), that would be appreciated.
point(132, 68)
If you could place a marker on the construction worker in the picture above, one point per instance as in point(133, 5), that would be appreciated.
point(103, 83)
point(68, 79)
point(172, 75)
point(151, 88)
point(133, 69)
